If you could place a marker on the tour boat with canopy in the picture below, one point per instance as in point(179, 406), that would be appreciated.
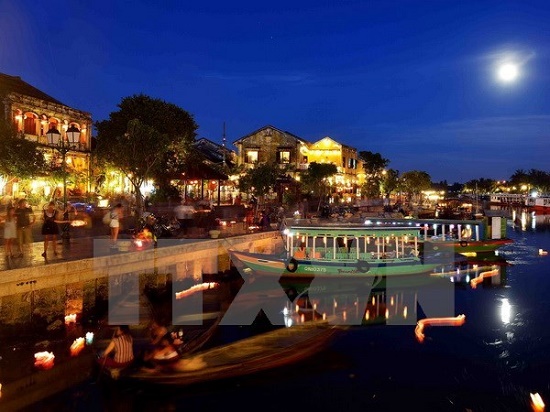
point(341, 250)
point(465, 237)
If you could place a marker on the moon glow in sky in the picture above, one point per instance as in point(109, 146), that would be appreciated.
point(508, 72)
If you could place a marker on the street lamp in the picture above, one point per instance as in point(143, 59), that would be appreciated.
point(63, 145)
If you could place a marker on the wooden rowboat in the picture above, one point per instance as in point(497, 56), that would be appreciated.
point(269, 350)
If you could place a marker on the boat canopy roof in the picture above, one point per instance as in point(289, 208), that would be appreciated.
point(418, 222)
point(352, 231)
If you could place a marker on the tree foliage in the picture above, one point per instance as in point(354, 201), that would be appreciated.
point(535, 179)
point(374, 166)
point(414, 182)
point(144, 138)
point(260, 180)
point(18, 156)
point(479, 186)
point(390, 182)
point(315, 179)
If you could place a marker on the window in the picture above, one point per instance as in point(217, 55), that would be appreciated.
point(251, 156)
point(29, 124)
point(284, 156)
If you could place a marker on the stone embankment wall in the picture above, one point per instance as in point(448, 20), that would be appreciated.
point(68, 286)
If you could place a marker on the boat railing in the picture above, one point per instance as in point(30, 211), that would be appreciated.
point(327, 254)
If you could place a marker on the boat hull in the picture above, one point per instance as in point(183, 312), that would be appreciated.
point(468, 247)
point(309, 269)
point(270, 350)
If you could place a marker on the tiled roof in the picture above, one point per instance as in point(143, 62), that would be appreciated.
point(14, 84)
point(272, 128)
point(213, 151)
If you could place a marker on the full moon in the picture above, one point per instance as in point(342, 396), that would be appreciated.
point(508, 72)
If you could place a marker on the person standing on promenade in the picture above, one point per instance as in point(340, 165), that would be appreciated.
point(116, 215)
point(25, 219)
point(238, 199)
point(50, 228)
point(10, 231)
point(185, 213)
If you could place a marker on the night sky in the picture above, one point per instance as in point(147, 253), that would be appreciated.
point(415, 81)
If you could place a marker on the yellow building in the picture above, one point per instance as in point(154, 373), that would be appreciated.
point(328, 150)
point(272, 145)
point(33, 114)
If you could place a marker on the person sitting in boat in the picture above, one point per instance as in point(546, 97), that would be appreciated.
point(120, 351)
point(157, 332)
point(161, 342)
point(165, 352)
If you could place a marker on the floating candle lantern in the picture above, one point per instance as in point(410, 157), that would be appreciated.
point(77, 346)
point(89, 338)
point(483, 275)
point(451, 321)
point(195, 289)
point(537, 403)
point(44, 360)
point(543, 252)
point(71, 318)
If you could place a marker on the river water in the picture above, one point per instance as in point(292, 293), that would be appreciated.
point(492, 362)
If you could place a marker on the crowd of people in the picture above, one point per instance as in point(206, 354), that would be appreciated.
point(19, 221)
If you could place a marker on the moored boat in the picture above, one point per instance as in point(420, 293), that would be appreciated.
point(341, 251)
point(466, 237)
point(539, 204)
point(280, 347)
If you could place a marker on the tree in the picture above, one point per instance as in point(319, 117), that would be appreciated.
point(374, 166)
point(260, 180)
point(19, 157)
point(414, 182)
point(315, 179)
point(479, 186)
point(390, 182)
point(144, 138)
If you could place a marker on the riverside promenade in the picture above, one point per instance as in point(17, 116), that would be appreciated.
point(81, 245)
point(77, 249)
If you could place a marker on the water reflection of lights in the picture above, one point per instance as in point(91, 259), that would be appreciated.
point(505, 311)
point(463, 274)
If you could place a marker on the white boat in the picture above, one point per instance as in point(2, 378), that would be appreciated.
point(538, 203)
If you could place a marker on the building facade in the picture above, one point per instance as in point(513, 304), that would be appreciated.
point(271, 145)
point(33, 113)
point(294, 154)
